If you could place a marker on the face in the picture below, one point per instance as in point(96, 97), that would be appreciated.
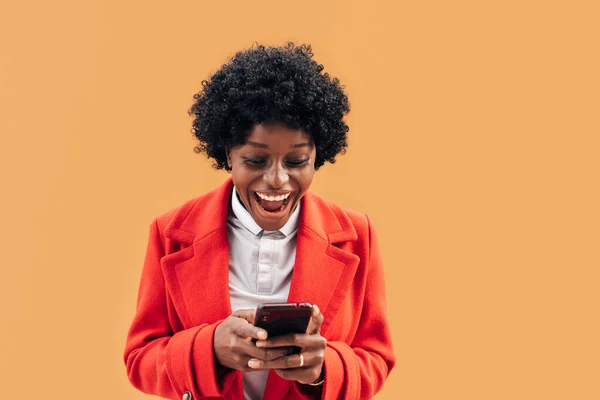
point(272, 171)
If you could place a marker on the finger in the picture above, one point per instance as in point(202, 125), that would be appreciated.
point(316, 320)
point(247, 314)
point(297, 374)
point(295, 339)
point(287, 362)
point(302, 360)
point(243, 329)
point(266, 354)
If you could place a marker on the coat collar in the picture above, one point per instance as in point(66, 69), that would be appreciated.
point(206, 214)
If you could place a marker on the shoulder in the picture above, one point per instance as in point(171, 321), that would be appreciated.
point(360, 221)
point(197, 216)
point(179, 212)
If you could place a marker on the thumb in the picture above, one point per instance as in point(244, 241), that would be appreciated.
point(248, 315)
point(316, 320)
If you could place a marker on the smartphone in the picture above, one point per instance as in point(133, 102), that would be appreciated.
point(283, 318)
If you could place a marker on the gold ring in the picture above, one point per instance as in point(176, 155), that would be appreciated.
point(301, 360)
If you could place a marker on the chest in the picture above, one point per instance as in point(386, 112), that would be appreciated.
point(260, 267)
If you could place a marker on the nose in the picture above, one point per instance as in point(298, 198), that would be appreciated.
point(276, 176)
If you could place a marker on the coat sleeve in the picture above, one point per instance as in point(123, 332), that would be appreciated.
point(359, 369)
point(160, 361)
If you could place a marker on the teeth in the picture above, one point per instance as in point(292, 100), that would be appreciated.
point(273, 198)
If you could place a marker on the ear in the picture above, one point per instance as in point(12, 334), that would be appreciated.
point(228, 155)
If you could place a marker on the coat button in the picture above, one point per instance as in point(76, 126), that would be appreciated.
point(186, 396)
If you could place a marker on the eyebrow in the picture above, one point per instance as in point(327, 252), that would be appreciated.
point(305, 144)
point(264, 146)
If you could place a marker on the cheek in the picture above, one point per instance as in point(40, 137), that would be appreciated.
point(304, 178)
point(242, 176)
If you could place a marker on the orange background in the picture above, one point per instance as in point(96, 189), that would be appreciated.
point(474, 147)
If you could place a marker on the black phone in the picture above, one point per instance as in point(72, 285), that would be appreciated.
point(283, 318)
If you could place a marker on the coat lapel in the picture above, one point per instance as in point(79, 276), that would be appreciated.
point(323, 271)
point(197, 276)
point(322, 274)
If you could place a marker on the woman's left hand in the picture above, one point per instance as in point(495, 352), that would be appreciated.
point(305, 367)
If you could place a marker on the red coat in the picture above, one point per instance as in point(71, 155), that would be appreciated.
point(184, 295)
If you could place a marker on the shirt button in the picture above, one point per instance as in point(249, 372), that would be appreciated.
point(186, 396)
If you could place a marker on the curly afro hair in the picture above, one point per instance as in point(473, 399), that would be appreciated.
point(270, 84)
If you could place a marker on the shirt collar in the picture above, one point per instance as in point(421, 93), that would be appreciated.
point(248, 222)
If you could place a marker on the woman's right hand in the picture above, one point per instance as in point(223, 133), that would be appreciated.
point(233, 342)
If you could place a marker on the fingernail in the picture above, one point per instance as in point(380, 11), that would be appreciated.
point(260, 343)
point(316, 308)
point(262, 334)
point(254, 363)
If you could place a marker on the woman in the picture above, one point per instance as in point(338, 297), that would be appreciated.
point(270, 117)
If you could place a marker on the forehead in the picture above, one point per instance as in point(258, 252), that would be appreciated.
point(277, 134)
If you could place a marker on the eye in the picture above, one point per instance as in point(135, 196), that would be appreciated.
point(256, 162)
point(296, 163)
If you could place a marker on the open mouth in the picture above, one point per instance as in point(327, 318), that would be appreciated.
point(273, 204)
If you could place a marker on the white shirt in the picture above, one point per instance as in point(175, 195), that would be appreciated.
point(260, 270)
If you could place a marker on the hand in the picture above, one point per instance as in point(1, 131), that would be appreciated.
point(233, 342)
point(305, 369)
